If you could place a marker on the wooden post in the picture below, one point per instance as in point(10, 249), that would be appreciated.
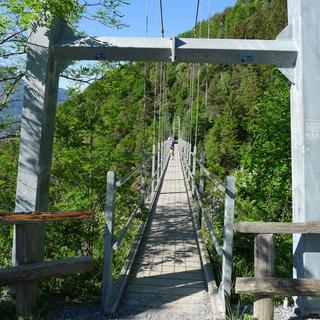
point(189, 161)
point(161, 158)
point(263, 267)
point(201, 185)
point(185, 151)
point(194, 162)
point(153, 170)
point(108, 241)
point(182, 151)
point(158, 164)
point(143, 173)
point(225, 288)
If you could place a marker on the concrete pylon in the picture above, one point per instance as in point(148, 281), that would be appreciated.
point(37, 128)
point(303, 19)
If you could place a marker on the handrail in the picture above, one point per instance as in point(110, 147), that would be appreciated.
point(220, 186)
point(209, 225)
point(217, 246)
point(139, 203)
point(128, 176)
point(217, 183)
point(111, 294)
point(124, 230)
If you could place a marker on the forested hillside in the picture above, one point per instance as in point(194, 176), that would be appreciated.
point(244, 129)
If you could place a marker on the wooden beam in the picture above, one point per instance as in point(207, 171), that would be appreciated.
point(43, 216)
point(278, 286)
point(311, 227)
point(42, 270)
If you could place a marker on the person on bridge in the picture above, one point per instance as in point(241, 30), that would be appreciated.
point(171, 145)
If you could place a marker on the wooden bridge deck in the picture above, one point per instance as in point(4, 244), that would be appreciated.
point(167, 280)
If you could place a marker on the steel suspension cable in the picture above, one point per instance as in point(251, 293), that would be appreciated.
point(147, 17)
point(160, 101)
point(161, 18)
point(189, 106)
point(145, 85)
point(164, 101)
point(197, 15)
point(144, 106)
point(197, 106)
point(198, 89)
point(207, 65)
point(192, 98)
point(161, 76)
point(193, 68)
point(155, 103)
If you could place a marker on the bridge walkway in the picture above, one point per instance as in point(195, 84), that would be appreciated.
point(167, 280)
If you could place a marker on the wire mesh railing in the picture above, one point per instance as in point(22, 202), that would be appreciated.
point(198, 176)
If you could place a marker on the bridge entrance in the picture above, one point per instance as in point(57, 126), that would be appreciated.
point(295, 52)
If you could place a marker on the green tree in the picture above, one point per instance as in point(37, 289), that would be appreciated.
point(16, 17)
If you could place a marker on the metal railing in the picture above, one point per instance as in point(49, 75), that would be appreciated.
point(195, 169)
point(111, 294)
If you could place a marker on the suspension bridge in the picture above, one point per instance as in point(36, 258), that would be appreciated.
point(166, 276)
point(168, 266)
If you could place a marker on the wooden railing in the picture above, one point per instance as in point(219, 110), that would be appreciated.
point(264, 285)
point(194, 167)
point(26, 274)
point(150, 185)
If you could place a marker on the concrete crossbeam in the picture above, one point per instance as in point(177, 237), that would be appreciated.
point(282, 53)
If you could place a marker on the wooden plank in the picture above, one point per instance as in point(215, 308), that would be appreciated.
point(159, 301)
point(193, 275)
point(278, 286)
point(43, 216)
point(310, 227)
point(164, 282)
point(42, 270)
point(180, 290)
point(263, 267)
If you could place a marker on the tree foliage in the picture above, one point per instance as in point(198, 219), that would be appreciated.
point(16, 17)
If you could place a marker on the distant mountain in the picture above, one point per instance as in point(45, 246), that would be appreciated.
point(15, 108)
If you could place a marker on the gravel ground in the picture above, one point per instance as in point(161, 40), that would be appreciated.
point(280, 313)
point(94, 312)
point(136, 310)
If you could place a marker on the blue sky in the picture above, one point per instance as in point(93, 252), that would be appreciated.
point(179, 16)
